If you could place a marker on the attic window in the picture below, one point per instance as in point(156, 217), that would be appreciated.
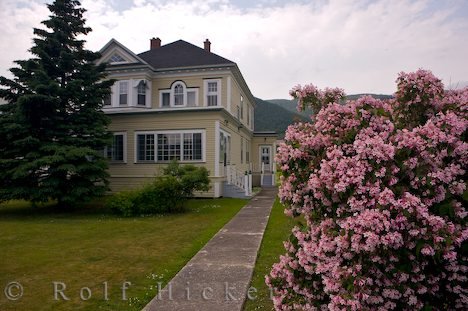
point(116, 58)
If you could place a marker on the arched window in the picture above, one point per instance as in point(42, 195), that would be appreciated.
point(179, 95)
point(141, 90)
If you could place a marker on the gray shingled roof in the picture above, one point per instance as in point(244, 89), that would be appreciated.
point(181, 54)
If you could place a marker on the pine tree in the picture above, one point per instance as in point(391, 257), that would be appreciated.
point(52, 128)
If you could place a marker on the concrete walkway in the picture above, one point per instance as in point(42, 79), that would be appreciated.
point(218, 276)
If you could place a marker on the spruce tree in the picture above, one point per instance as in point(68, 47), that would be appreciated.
point(52, 128)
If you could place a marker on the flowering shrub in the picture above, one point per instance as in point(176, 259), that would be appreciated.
point(382, 188)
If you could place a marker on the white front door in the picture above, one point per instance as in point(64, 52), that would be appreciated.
point(265, 158)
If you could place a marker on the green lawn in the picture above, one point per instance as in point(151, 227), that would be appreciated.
point(278, 230)
point(90, 249)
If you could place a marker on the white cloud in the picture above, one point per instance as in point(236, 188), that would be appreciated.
point(358, 45)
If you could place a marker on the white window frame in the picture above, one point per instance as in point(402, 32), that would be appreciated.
point(181, 133)
point(175, 88)
point(120, 92)
point(136, 160)
point(206, 93)
point(195, 91)
point(161, 92)
point(171, 93)
point(134, 93)
point(124, 142)
point(137, 92)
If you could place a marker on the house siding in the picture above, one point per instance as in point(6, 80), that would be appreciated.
point(132, 174)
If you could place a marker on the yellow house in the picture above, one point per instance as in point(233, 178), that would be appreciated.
point(180, 101)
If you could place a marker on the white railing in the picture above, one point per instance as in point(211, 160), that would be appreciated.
point(240, 179)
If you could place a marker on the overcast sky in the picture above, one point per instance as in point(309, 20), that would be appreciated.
point(354, 44)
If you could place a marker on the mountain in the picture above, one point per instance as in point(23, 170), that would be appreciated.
point(277, 114)
point(272, 117)
point(291, 104)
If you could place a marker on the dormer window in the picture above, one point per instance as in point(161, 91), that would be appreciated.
point(116, 58)
point(179, 95)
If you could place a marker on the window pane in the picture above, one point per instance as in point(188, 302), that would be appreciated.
point(141, 90)
point(123, 91)
point(145, 147)
point(107, 100)
point(212, 87)
point(188, 146)
point(178, 100)
point(191, 99)
point(212, 100)
point(116, 58)
point(141, 100)
point(166, 99)
point(178, 95)
point(197, 146)
point(118, 148)
point(169, 146)
point(115, 152)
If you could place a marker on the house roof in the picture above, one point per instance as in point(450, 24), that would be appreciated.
point(112, 44)
point(181, 54)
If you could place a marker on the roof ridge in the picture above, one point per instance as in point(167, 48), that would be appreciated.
point(181, 53)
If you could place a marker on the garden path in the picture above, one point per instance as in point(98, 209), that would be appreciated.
point(217, 278)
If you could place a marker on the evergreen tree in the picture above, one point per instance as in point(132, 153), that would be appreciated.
point(52, 128)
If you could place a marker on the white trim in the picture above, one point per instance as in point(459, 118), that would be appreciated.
point(181, 132)
point(114, 45)
point(217, 189)
point(217, 132)
point(218, 93)
point(229, 95)
point(192, 72)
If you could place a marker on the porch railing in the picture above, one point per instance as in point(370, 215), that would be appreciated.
point(241, 179)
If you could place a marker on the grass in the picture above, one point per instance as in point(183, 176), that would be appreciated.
point(94, 249)
point(278, 230)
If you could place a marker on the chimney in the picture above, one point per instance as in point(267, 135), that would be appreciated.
point(155, 43)
point(207, 45)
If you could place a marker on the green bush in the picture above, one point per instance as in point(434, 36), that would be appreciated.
point(191, 178)
point(123, 203)
point(166, 194)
